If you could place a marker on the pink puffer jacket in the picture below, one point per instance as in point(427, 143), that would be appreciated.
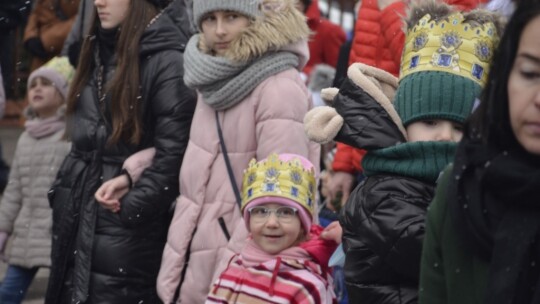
point(269, 120)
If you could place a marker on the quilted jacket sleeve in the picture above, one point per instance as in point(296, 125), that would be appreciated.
point(343, 160)
point(367, 125)
point(172, 105)
point(387, 217)
point(391, 28)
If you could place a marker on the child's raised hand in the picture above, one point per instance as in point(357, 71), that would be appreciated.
point(110, 193)
point(333, 232)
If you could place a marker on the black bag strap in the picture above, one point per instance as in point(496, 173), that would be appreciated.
point(228, 163)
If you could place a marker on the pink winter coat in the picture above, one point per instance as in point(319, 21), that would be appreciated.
point(269, 120)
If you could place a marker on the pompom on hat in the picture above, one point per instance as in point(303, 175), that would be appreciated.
point(58, 71)
point(285, 179)
point(250, 8)
point(445, 61)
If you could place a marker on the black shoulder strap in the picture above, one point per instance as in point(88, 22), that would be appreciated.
point(228, 163)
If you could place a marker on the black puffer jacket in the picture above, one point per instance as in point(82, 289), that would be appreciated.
point(383, 221)
point(99, 256)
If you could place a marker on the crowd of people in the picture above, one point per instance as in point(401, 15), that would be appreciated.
point(179, 151)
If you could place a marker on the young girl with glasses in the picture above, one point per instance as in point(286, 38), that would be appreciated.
point(283, 260)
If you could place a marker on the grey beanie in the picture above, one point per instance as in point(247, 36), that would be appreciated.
point(249, 8)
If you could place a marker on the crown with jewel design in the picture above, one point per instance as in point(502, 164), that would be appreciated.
point(275, 177)
point(450, 45)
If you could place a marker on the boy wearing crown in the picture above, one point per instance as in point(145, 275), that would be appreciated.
point(284, 260)
point(409, 142)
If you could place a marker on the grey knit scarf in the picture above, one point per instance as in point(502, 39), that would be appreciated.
point(224, 83)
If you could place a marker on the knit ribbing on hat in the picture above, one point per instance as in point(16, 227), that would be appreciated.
point(423, 160)
point(435, 95)
point(249, 8)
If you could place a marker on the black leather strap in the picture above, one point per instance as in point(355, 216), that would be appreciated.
point(228, 163)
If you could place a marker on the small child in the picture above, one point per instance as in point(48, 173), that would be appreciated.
point(444, 67)
point(284, 260)
point(24, 209)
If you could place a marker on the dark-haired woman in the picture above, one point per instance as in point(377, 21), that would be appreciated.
point(482, 240)
point(127, 95)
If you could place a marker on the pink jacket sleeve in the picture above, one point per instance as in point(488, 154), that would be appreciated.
point(138, 162)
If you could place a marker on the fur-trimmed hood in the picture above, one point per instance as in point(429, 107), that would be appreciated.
point(280, 27)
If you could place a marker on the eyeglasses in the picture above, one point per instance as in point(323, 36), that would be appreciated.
point(284, 214)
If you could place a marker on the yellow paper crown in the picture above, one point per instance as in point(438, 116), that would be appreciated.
point(275, 177)
point(449, 45)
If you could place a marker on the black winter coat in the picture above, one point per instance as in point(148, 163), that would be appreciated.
point(103, 257)
point(383, 220)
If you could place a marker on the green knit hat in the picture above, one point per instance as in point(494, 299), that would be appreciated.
point(435, 95)
point(249, 8)
point(445, 62)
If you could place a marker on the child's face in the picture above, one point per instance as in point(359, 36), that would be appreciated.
point(524, 89)
point(434, 130)
point(271, 232)
point(44, 98)
point(112, 13)
point(220, 28)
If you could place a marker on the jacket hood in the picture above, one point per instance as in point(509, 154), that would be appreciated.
point(363, 115)
point(280, 25)
point(169, 30)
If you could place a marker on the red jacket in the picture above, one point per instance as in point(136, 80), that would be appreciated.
point(382, 49)
point(326, 41)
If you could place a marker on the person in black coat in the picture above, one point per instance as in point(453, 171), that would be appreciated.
point(128, 94)
point(409, 143)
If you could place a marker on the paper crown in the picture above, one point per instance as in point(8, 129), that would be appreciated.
point(62, 66)
point(275, 177)
point(449, 45)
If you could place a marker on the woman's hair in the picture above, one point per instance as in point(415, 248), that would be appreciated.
point(124, 87)
point(490, 123)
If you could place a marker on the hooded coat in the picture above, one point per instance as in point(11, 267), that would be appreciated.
point(268, 120)
point(378, 41)
point(24, 210)
point(383, 220)
point(104, 257)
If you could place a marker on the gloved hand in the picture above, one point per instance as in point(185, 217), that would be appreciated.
point(35, 47)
